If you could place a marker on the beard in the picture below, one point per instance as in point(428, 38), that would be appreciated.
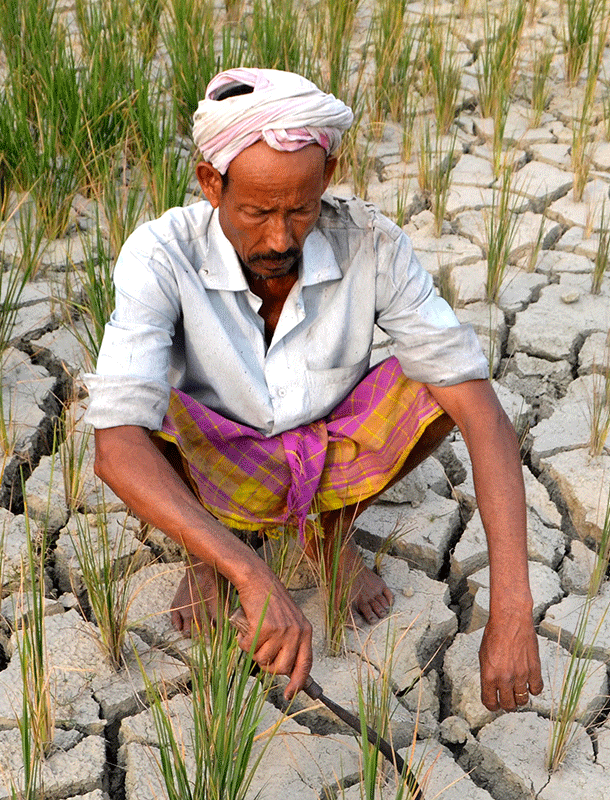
point(287, 262)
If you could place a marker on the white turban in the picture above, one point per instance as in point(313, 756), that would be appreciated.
point(286, 110)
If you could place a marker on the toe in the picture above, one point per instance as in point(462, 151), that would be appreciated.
point(388, 597)
point(177, 620)
point(364, 607)
point(379, 608)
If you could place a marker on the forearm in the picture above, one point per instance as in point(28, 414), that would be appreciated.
point(500, 493)
point(498, 477)
point(128, 461)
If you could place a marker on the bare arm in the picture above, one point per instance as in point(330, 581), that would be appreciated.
point(509, 650)
point(128, 461)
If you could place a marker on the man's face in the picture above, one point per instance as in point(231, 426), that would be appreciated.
point(270, 205)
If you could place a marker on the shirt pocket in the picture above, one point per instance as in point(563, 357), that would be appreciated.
point(328, 387)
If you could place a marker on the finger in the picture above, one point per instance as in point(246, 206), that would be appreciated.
point(522, 697)
point(536, 683)
point(302, 668)
point(280, 664)
point(489, 696)
point(506, 695)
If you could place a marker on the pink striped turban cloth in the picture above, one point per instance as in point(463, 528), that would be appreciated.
point(286, 110)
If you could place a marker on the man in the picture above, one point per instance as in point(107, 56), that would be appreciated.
point(258, 308)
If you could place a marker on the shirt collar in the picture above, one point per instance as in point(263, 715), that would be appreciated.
point(222, 270)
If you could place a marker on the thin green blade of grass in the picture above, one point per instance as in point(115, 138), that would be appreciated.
point(602, 256)
point(218, 759)
point(105, 575)
point(501, 224)
point(564, 724)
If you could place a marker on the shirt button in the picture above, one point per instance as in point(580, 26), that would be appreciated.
point(281, 392)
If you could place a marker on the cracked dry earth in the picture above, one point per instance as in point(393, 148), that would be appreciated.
point(547, 339)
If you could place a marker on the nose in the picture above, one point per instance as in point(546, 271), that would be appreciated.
point(279, 233)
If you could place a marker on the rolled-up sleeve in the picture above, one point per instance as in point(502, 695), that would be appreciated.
point(429, 341)
point(130, 385)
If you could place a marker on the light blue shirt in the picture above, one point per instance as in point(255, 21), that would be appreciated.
point(185, 317)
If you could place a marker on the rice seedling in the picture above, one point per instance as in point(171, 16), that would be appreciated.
point(446, 287)
point(599, 409)
point(441, 182)
point(564, 717)
point(374, 710)
point(167, 173)
point(444, 73)
point(425, 163)
point(355, 161)
point(402, 207)
point(187, 31)
point(146, 16)
point(540, 92)
point(534, 252)
point(28, 33)
point(46, 101)
point(602, 256)
point(53, 192)
point(105, 575)
point(15, 276)
point(217, 760)
point(75, 453)
point(580, 26)
point(10, 153)
point(582, 144)
point(8, 429)
point(497, 58)
point(409, 116)
point(435, 162)
point(121, 201)
point(387, 545)
point(325, 554)
point(600, 568)
point(500, 229)
point(96, 301)
point(497, 142)
point(333, 23)
point(396, 48)
point(38, 705)
point(278, 36)
point(369, 755)
point(285, 556)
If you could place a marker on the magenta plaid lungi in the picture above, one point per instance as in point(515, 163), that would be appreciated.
point(250, 481)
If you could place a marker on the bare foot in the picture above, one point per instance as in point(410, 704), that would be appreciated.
point(195, 603)
point(368, 593)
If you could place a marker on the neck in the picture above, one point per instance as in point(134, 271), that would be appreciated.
point(272, 287)
point(273, 292)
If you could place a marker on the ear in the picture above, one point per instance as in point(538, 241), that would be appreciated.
point(210, 181)
point(329, 168)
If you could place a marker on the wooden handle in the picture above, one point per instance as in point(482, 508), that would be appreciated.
point(239, 621)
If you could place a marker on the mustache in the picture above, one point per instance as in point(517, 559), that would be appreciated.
point(273, 255)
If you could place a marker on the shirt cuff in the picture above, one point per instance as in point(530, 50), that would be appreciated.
point(125, 400)
point(443, 358)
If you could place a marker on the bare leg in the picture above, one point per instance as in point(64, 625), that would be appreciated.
point(195, 603)
point(368, 592)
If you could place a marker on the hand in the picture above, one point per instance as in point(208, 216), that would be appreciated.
point(510, 664)
point(283, 645)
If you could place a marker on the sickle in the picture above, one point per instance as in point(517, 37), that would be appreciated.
point(315, 692)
